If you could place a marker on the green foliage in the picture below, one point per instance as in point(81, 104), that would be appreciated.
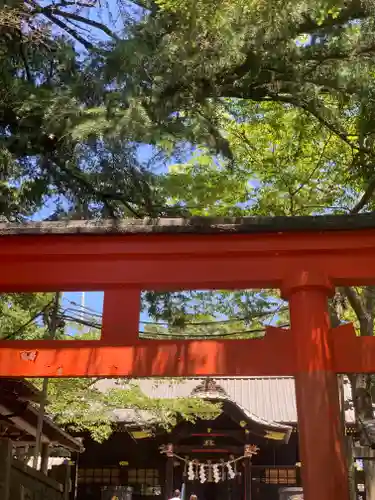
point(198, 55)
point(185, 72)
point(80, 406)
point(22, 315)
point(56, 139)
point(210, 314)
point(286, 164)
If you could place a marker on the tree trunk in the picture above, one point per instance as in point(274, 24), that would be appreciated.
point(335, 322)
point(363, 306)
point(361, 388)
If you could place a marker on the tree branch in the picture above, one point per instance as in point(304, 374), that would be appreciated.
point(365, 198)
point(269, 97)
point(354, 11)
point(314, 169)
point(81, 19)
point(364, 317)
point(25, 63)
point(104, 197)
point(76, 3)
point(354, 301)
point(88, 45)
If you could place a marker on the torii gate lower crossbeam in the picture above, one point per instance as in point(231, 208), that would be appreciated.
point(286, 254)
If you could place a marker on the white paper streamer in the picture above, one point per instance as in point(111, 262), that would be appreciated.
point(216, 472)
point(231, 473)
point(202, 474)
point(190, 472)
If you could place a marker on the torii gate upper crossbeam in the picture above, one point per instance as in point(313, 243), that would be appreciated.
point(76, 256)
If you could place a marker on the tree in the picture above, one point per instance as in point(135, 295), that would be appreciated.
point(59, 143)
point(316, 56)
point(167, 80)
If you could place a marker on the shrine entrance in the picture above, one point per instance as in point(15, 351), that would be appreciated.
point(236, 456)
point(304, 257)
point(211, 491)
point(225, 490)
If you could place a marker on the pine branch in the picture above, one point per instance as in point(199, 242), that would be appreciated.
point(74, 3)
point(149, 5)
point(25, 62)
point(73, 33)
point(81, 19)
point(104, 197)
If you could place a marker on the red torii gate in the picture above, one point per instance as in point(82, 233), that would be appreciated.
point(304, 257)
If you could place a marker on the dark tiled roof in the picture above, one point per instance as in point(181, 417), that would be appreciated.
point(197, 225)
point(20, 389)
point(369, 431)
point(16, 408)
point(266, 398)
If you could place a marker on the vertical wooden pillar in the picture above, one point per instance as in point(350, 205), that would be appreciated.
point(74, 476)
point(321, 434)
point(121, 309)
point(44, 458)
point(247, 479)
point(5, 468)
point(298, 475)
point(169, 473)
point(67, 480)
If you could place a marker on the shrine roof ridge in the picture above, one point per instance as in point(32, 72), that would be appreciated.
point(194, 225)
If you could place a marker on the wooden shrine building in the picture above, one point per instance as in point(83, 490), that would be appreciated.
point(249, 452)
point(19, 416)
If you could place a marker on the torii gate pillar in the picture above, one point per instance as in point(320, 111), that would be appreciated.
point(321, 444)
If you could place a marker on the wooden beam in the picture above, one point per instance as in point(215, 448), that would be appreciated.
point(272, 355)
point(181, 261)
point(5, 468)
point(352, 354)
point(247, 483)
point(238, 435)
point(235, 450)
point(121, 311)
point(184, 431)
point(169, 475)
point(196, 225)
